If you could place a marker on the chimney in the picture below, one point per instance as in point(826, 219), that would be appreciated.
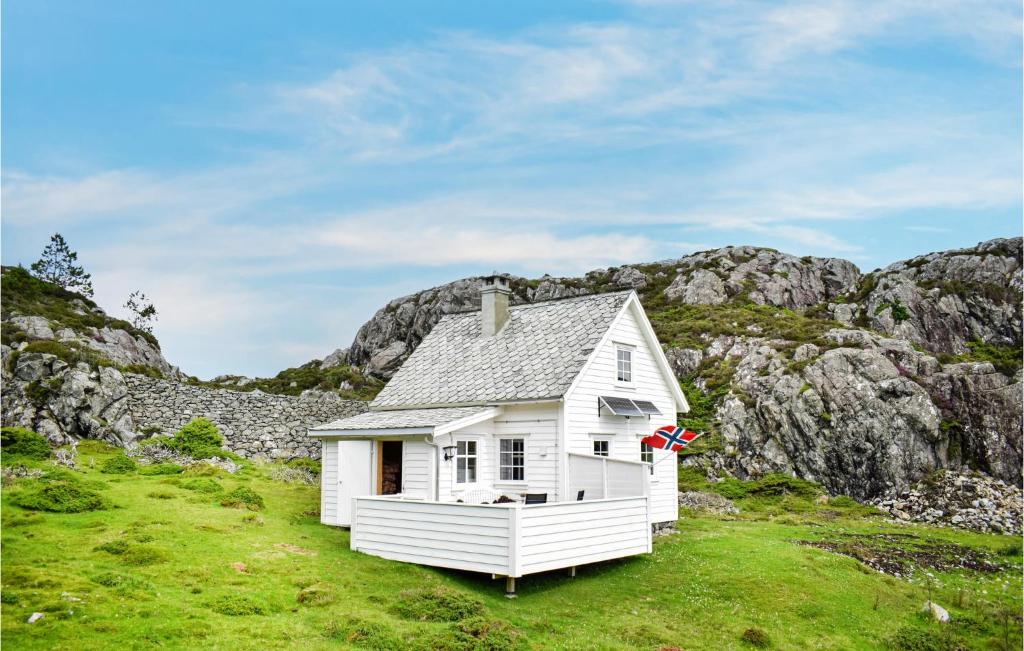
point(493, 304)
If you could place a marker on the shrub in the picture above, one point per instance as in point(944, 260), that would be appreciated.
point(144, 555)
point(236, 606)
point(317, 594)
point(160, 495)
point(843, 501)
point(205, 470)
point(436, 605)
point(59, 497)
point(18, 441)
point(119, 464)
point(199, 439)
point(243, 498)
point(777, 484)
point(909, 638)
point(122, 582)
point(202, 485)
point(497, 635)
point(305, 463)
point(756, 637)
point(161, 469)
point(116, 547)
point(365, 634)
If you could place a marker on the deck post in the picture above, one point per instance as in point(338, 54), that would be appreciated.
point(572, 572)
point(510, 587)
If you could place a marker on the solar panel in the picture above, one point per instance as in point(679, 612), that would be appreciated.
point(647, 407)
point(620, 406)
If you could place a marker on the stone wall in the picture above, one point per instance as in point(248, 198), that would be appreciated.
point(253, 423)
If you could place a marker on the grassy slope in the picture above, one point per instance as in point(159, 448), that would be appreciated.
point(701, 588)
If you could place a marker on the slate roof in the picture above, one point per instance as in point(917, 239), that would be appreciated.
point(536, 355)
point(400, 419)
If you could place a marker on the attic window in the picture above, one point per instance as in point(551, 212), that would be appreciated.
point(624, 364)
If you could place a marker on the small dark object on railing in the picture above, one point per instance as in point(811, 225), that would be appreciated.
point(536, 498)
point(504, 499)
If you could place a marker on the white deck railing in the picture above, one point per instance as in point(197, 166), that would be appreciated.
point(503, 539)
point(603, 477)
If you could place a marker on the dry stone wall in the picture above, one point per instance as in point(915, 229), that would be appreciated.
point(253, 423)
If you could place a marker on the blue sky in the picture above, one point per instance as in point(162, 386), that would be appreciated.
point(272, 173)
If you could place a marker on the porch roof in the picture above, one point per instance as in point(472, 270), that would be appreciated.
point(406, 421)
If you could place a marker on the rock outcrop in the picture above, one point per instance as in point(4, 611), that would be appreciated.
point(62, 402)
point(942, 301)
point(867, 416)
point(765, 276)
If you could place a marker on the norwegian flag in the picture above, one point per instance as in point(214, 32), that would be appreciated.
point(670, 437)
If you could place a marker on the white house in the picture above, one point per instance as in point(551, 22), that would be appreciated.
point(509, 441)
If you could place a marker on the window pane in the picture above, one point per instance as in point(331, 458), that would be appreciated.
point(460, 475)
point(462, 447)
point(470, 469)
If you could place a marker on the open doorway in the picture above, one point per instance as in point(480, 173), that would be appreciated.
point(389, 467)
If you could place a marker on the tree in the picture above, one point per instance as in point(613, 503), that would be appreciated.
point(58, 266)
point(142, 309)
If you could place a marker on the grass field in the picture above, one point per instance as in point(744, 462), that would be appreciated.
point(167, 566)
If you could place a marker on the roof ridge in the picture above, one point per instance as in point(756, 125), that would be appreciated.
point(560, 299)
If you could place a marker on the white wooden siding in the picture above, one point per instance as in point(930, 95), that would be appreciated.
point(510, 540)
point(416, 469)
point(329, 482)
point(537, 424)
point(599, 379)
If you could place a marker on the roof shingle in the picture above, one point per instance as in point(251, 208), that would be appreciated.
point(401, 419)
point(536, 355)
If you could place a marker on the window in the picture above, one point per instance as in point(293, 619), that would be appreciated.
point(624, 364)
point(512, 459)
point(465, 462)
point(601, 448)
point(647, 455)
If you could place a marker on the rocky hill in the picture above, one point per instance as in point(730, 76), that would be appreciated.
point(804, 365)
point(863, 382)
point(70, 371)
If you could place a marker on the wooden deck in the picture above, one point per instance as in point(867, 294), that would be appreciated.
point(509, 540)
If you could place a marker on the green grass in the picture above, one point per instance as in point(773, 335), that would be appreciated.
point(193, 574)
point(1006, 359)
point(687, 325)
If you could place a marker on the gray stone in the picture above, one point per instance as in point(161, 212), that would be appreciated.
point(338, 358)
point(36, 327)
point(700, 287)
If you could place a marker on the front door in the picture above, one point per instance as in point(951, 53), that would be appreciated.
point(389, 467)
point(353, 476)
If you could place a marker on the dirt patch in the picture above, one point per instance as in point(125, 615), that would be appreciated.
point(901, 554)
point(295, 549)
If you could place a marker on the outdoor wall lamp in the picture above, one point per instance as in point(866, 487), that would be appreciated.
point(449, 452)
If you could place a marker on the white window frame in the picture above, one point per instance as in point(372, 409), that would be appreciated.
point(475, 456)
point(498, 454)
point(649, 450)
point(607, 447)
point(631, 371)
